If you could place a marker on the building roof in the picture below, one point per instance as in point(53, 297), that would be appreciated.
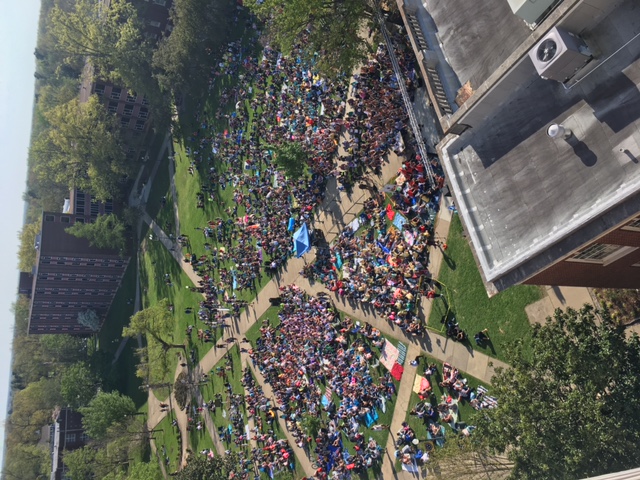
point(476, 37)
point(521, 192)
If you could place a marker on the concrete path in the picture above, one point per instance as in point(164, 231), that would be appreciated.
point(558, 297)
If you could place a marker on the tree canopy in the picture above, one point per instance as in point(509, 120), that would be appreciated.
point(292, 158)
point(78, 385)
point(104, 411)
point(155, 322)
point(109, 34)
point(571, 409)
point(107, 231)
point(82, 149)
point(27, 251)
point(329, 31)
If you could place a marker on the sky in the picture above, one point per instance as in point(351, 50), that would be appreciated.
point(18, 30)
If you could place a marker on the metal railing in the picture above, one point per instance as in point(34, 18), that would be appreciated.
point(413, 121)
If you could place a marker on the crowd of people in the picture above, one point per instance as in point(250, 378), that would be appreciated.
point(383, 259)
point(313, 356)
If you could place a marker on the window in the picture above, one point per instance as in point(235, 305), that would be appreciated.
point(115, 93)
point(601, 253)
point(131, 97)
point(70, 438)
point(64, 219)
point(140, 125)
point(143, 113)
point(153, 23)
point(128, 110)
point(99, 90)
point(113, 107)
point(49, 218)
point(79, 220)
point(124, 122)
point(633, 225)
point(145, 100)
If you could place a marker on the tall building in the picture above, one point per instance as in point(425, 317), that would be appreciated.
point(540, 105)
point(71, 277)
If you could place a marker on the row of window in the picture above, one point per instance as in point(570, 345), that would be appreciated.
point(112, 261)
point(606, 253)
point(57, 277)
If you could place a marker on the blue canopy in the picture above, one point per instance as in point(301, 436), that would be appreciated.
point(301, 242)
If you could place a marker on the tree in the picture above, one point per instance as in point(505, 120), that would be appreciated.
point(78, 385)
point(156, 323)
point(32, 409)
point(25, 462)
point(89, 318)
point(182, 389)
point(182, 61)
point(80, 463)
point(109, 35)
point(570, 409)
point(27, 252)
point(107, 232)
point(292, 158)
point(328, 30)
point(204, 468)
point(105, 410)
point(83, 149)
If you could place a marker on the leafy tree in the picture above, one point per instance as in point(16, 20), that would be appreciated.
point(27, 253)
point(32, 409)
point(109, 34)
point(182, 61)
point(108, 232)
point(80, 462)
point(83, 149)
point(203, 468)
point(292, 158)
point(89, 318)
point(328, 30)
point(104, 411)
point(156, 323)
point(570, 410)
point(25, 462)
point(20, 309)
point(78, 385)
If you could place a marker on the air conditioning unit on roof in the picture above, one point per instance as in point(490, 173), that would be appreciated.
point(559, 55)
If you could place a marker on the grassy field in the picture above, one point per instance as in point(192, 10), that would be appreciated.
point(467, 298)
point(166, 437)
point(156, 264)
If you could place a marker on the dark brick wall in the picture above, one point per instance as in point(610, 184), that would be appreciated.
point(618, 274)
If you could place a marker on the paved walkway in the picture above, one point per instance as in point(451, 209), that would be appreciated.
point(467, 360)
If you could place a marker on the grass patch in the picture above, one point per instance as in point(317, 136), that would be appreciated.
point(156, 267)
point(464, 292)
point(167, 443)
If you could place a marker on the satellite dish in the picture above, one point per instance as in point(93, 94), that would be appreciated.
point(547, 50)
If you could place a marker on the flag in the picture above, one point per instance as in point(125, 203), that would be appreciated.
point(390, 212)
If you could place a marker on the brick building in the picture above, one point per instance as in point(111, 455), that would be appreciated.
point(71, 277)
point(131, 108)
point(65, 435)
point(540, 106)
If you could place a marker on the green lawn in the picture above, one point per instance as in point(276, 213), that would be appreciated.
point(156, 263)
point(466, 412)
point(121, 374)
point(465, 294)
point(166, 437)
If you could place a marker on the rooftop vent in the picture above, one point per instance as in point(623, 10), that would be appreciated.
point(531, 10)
